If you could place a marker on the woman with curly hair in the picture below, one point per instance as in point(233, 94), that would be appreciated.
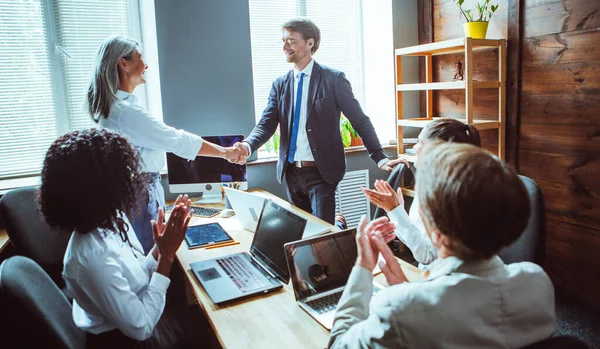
point(119, 292)
point(119, 68)
point(409, 227)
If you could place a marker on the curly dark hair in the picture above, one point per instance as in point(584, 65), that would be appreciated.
point(89, 179)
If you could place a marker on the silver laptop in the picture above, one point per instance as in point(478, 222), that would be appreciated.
point(247, 208)
point(245, 274)
point(319, 269)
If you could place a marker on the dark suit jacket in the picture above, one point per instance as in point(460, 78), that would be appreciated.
point(329, 94)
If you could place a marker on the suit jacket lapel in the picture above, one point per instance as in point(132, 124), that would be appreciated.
point(315, 81)
point(289, 101)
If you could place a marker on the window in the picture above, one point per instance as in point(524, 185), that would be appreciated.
point(356, 38)
point(47, 48)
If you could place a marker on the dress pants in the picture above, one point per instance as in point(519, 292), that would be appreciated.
point(307, 189)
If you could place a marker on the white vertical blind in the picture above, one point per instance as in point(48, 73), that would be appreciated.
point(40, 97)
point(27, 111)
point(341, 41)
point(81, 27)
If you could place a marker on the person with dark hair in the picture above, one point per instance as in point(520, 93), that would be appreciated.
point(409, 227)
point(307, 103)
point(90, 182)
point(472, 205)
point(118, 69)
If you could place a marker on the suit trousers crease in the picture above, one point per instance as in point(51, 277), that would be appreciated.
point(307, 190)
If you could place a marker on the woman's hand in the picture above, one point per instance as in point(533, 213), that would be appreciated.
point(390, 268)
point(367, 254)
point(384, 196)
point(168, 236)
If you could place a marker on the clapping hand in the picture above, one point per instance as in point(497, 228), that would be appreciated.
point(168, 236)
point(390, 268)
point(384, 196)
point(367, 254)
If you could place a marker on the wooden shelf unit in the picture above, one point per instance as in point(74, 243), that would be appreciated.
point(462, 45)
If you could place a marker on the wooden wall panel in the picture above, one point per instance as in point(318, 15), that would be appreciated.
point(558, 120)
point(559, 144)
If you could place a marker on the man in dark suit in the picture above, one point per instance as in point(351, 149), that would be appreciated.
point(306, 103)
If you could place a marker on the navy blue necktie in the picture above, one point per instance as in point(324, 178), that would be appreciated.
point(296, 122)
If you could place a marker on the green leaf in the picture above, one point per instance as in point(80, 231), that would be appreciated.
point(276, 141)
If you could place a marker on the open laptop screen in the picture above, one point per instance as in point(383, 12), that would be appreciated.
point(321, 263)
point(276, 227)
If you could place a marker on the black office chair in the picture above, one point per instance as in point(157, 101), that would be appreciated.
point(35, 313)
point(30, 235)
point(531, 246)
point(395, 180)
point(562, 342)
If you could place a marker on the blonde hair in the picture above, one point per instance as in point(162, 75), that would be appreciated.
point(105, 77)
point(477, 201)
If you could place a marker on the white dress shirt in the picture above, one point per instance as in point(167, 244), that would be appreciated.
point(150, 136)
point(466, 305)
point(303, 152)
point(411, 232)
point(113, 285)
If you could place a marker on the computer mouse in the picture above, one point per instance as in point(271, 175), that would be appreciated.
point(226, 213)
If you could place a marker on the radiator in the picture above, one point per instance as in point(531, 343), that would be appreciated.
point(350, 200)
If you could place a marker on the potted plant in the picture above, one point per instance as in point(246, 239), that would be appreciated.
point(350, 137)
point(272, 145)
point(476, 27)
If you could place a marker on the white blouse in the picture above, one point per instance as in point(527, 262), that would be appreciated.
point(150, 136)
point(411, 231)
point(113, 285)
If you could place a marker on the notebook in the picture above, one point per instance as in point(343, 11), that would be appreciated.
point(260, 271)
point(319, 269)
point(247, 208)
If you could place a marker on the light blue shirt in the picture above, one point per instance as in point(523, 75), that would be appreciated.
point(150, 136)
point(479, 304)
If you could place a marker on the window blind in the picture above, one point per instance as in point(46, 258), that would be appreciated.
point(27, 110)
point(341, 41)
point(81, 27)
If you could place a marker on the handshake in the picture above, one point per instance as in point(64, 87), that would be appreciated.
point(237, 153)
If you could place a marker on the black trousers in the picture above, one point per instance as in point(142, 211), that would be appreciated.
point(307, 189)
point(178, 327)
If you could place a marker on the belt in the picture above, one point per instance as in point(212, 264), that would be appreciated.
point(301, 164)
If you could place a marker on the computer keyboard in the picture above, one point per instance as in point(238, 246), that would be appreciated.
point(198, 211)
point(243, 274)
point(329, 303)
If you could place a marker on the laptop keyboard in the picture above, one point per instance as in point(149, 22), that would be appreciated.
point(329, 303)
point(198, 211)
point(243, 273)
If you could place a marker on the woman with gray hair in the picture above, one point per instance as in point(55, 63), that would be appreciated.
point(119, 68)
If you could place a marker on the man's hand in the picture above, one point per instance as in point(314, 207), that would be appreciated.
point(390, 268)
point(389, 165)
point(243, 153)
point(367, 255)
point(384, 195)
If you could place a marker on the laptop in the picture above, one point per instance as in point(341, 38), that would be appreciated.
point(247, 208)
point(319, 269)
point(242, 275)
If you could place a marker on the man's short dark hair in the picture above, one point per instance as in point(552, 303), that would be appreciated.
point(307, 28)
point(476, 200)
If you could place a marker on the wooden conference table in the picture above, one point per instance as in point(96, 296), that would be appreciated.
point(266, 321)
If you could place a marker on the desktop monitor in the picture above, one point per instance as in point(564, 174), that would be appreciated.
point(206, 174)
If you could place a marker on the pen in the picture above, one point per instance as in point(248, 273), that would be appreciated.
point(223, 245)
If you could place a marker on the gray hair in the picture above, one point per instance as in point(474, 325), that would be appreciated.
point(105, 77)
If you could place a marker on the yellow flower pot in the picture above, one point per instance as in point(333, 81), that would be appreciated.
point(475, 30)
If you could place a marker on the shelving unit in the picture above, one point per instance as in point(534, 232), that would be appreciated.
point(466, 46)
